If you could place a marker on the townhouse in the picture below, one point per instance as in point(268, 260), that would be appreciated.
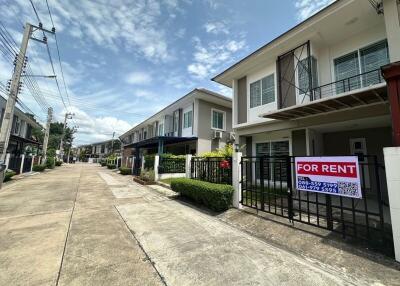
point(196, 123)
point(326, 87)
point(98, 150)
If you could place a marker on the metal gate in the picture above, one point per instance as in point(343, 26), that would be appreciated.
point(27, 164)
point(15, 164)
point(267, 185)
point(137, 165)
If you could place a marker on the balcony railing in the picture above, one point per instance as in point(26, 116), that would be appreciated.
point(348, 84)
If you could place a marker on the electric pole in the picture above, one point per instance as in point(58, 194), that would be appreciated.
point(47, 133)
point(68, 115)
point(112, 143)
point(20, 63)
point(12, 97)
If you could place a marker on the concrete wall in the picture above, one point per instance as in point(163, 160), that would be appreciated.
point(205, 142)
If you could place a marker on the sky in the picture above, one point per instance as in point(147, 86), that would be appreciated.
point(125, 60)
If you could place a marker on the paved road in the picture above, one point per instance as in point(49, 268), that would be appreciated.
point(85, 225)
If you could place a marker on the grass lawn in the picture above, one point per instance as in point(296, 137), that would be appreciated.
point(167, 181)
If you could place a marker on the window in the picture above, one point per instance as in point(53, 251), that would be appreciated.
point(187, 119)
point(303, 75)
point(366, 60)
point(161, 129)
point(176, 120)
point(217, 119)
point(274, 167)
point(262, 91)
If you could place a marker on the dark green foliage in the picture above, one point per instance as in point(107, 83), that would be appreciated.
point(217, 197)
point(149, 162)
point(8, 175)
point(58, 163)
point(125, 171)
point(103, 163)
point(50, 163)
point(38, 168)
point(111, 166)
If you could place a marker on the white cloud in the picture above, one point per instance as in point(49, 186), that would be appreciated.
point(216, 28)
point(307, 8)
point(207, 59)
point(140, 78)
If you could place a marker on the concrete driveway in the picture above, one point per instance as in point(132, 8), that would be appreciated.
point(85, 225)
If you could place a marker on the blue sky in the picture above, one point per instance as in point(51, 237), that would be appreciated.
point(124, 60)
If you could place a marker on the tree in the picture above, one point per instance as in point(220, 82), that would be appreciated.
point(56, 133)
point(38, 134)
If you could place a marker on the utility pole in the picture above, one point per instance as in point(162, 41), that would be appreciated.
point(12, 98)
point(68, 115)
point(47, 133)
point(20, 63)
point(112, 143)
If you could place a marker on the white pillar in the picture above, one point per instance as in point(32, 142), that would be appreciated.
point(236, 178)
point(33, 160)
point(392, 23)
point(7, 160)
point(133, 163)
point(142, 168)
point(188, 166)
point(21, 168)
point(156, 163)
point(392, 167)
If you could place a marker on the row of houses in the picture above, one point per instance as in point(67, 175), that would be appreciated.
point(327, 87)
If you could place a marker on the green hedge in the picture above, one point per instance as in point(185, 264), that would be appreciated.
point(125, 171)
point(58, 163)
point(8, 175)
point(111, 166)
point(217, 197)
point(50, 163)
point(149, 161)
point(38, 168)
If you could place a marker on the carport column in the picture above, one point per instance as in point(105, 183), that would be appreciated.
point(7, 160)
point(21, 168)
point(156, 163)
point(188, 166)
point(33, 161)
point(236, 178)
point(392, 167)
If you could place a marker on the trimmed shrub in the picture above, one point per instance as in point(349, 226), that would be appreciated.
point(125, 171)
point(8, 175)
point(149, 161)
point(217, 197)
point(58, 163)
point(103, 163)
point(111, 166)
point(38, 168)
point(50, 163)
point(147, 175)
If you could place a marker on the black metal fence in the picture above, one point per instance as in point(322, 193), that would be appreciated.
point(137, 165)
point(27, 164)
point(213, 169)
point(15, 164)
point(267, 185)
point(171, 165)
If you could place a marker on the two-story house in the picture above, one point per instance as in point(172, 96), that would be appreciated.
point(196, 123)
point(21, 138)
point(318, 89)
point(99, 149)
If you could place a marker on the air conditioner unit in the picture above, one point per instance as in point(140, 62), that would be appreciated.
point(217, 134)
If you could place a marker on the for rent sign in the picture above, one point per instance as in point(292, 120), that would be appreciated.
point(331, 175)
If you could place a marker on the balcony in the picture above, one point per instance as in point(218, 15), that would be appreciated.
point(347, 85)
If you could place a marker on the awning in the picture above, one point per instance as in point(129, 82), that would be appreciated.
point(24, 140)
point(349, 100)
point(154, 141)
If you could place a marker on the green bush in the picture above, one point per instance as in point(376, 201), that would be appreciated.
point(217, 197)
point(147, 175)
point(8, 175)
point(111, 166)
point(38, 168)
point(149, 161)
point(50, 163)
point(58, 163)
point(125, 171)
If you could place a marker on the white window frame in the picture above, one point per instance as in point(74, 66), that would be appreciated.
point(261, 88)
point(191, 119)
point(223, 119)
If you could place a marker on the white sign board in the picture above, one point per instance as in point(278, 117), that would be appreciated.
point(338, 176)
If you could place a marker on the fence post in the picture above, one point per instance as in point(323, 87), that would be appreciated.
point(156, 163)
point(7, 160)
point(21, 167)
point(133, 164)
point(188, 166)
point(392, 166)
point(236, 179)
point(33, 161)
point(143, 159)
